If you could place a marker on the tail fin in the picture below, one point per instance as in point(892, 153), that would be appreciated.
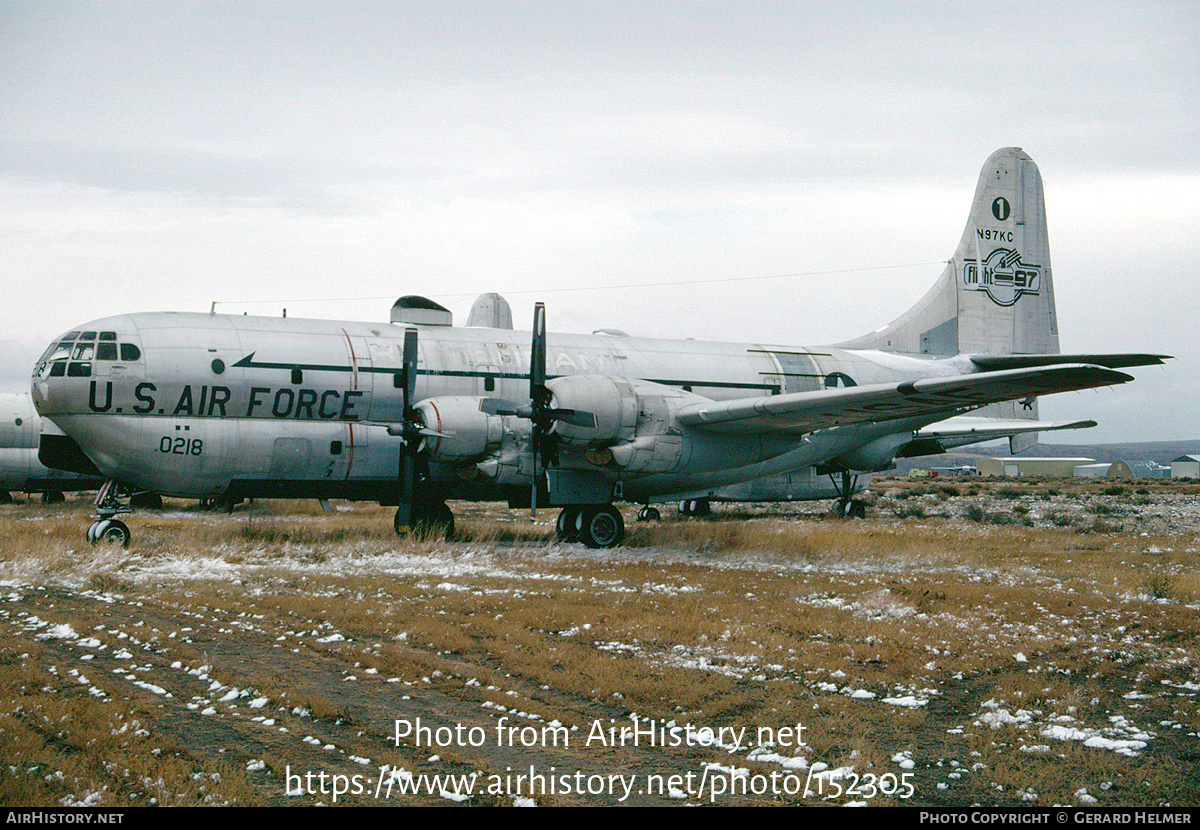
point(996, 296)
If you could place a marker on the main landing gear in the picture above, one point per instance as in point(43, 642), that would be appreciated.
point(695, 507)
point(649, 514)
point(432, 518)
point(596, 525)
point(847, 507)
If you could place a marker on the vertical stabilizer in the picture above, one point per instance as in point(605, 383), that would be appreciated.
point(996, 295)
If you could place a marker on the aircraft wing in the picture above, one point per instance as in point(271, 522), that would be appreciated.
point(991, 362)
point(965, 429)
point(803, 412)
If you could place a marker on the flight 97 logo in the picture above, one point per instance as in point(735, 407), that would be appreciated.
point(1004, 277)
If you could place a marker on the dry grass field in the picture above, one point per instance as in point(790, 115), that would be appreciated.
point(970, 642)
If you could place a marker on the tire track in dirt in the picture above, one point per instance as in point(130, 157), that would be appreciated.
point(202, 707)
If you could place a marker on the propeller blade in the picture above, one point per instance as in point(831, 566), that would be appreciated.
point(575, 417)
point(539, 397)
point(410, 430)
point(533, 491)
point(537, 352)
point(408, 368)
point(500, 406)
point(404, 507)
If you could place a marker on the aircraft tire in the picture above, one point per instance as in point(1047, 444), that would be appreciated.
point(440, 520)
point(567, 526)
point(602, 526)
point(649, 514)
point(5, 497)
point(429, 519)
point(52, 497)
point(109, 530)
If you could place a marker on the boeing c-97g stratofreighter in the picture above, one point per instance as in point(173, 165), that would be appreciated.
point(417, 412)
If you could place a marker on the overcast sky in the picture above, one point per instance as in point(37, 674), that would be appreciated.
point(783, 172)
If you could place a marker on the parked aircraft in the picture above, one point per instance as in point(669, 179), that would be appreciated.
point(20, 470)
point(419, 411)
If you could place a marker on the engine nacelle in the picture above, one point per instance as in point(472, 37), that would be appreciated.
point(466, 433)
point(612, 400)
point(877, 455)
point(636, 430)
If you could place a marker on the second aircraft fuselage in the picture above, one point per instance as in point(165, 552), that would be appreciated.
point(205, 405)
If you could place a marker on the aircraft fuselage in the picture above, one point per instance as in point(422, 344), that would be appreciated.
point(206, 405)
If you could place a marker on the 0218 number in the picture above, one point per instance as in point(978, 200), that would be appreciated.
point(181, 446)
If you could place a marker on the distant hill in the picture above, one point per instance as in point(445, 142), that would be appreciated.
point(1163, 452)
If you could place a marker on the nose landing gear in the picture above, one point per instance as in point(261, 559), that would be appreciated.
point(106, 528)
point(112, 531)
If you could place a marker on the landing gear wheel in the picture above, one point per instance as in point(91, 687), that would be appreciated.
point(52, 497)
point(429, 519)
point(112, 531)
point(602, 526)
point(567, 526)
point(694, 507)
point(856, 510)
point(649, 514)
point(846, 507)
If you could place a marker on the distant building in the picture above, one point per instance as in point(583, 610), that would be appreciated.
point(1186, 466)
point(1138, 469)
point(1046, 467)
point(1093, 470)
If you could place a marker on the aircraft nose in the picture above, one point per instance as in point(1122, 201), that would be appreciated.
point(77, 360)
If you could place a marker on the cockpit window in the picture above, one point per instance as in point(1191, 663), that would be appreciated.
point(81, 348)
point(57, 351)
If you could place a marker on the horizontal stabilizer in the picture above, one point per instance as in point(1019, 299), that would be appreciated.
point(803, 412)
point(966, 429)
point(992, 363)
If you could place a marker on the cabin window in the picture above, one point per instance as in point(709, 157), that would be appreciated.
point(79, 370)
point(70, 335)
point(57, 370)
point(106, 351)
point(83, 351)
point(108, 335)
point(130, 352)
point(335, 447)
point(88, 335)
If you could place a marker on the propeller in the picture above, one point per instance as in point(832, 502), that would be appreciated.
point(538, 411)
point(410, 429)
point(539, 399)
